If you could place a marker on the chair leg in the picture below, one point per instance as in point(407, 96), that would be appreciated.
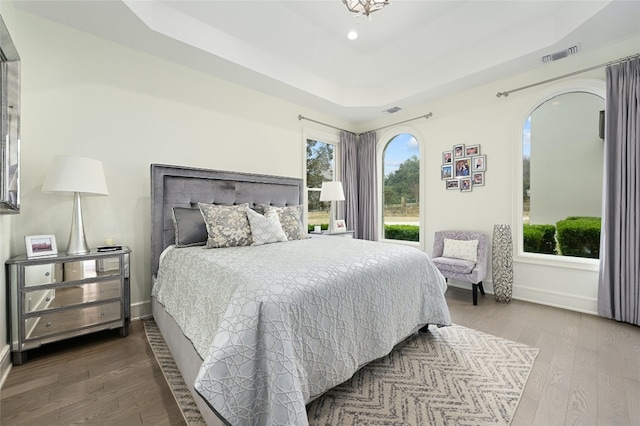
point(475, 294)
point(481, 288)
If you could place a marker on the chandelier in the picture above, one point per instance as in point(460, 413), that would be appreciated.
point(365, 7)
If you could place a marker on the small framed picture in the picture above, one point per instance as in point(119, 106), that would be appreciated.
point(479, 163)
point(477, 178)
point(447, 157)
point(340, 225)
point(447, 172)
point(40, 245)
point(458, 151)
point(453, 184)
point(465, 185)
point(472, 150)
point(462, 167)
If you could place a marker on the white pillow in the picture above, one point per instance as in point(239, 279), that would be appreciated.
point(265, 229)
point(461, 249)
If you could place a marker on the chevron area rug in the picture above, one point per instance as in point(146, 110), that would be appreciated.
point(447, 376)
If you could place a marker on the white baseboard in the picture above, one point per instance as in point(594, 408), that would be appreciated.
point(141, 310)
point(571, 302)
point(5, 364)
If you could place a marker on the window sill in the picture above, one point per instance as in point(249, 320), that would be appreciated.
point(565, 262)
point(401, 242)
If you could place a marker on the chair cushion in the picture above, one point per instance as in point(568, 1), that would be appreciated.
point(450, 264)
point(461, 249)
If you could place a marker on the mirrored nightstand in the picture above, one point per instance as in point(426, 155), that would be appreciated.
point(62, 296)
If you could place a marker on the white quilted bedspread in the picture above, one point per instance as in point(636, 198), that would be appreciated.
point(279, 324)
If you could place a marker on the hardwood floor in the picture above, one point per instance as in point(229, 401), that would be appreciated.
point(587, 372)
point(100, 379)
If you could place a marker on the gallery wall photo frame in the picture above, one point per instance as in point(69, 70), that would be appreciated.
point(465, 184)
point(479, 163)
point(477, 178)
point(446, 171)
point(463, 167)
point(453, 184)
point(471, 150)
point(40, 245)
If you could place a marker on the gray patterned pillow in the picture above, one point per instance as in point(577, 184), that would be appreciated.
point(227, 226)
point(265, 229)
point(291, 221)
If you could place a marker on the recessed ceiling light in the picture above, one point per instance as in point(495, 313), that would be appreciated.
point(352, 35)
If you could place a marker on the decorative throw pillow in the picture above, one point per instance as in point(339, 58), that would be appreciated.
point(189, 227)
point(227, 226)
point(291, 220)
point(461, 249)
point(265, 229)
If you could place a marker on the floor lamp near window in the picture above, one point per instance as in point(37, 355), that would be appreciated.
point(332, 191)
point(76, 175)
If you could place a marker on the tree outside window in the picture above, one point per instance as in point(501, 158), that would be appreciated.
point(320, 168)
point(401, 189)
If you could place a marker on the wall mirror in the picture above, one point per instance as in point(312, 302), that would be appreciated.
point(10, 106)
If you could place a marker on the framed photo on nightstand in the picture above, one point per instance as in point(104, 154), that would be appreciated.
point(40, 245)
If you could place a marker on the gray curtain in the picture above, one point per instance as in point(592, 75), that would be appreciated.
point(349, 177)
point(619, 285)
point(367, 188)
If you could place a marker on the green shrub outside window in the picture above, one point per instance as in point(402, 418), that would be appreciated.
point(402, 232)
point(539, 239)
point(579, 236)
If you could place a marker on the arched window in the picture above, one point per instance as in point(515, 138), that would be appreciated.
point(562, 166)
point(401, 188)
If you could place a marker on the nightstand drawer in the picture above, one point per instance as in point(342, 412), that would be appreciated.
point(54, 298)
point(64, 321)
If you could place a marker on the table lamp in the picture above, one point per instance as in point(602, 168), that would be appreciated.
point(332, 191)
point(77, 175)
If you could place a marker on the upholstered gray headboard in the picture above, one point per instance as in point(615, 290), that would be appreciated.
point(176, 186)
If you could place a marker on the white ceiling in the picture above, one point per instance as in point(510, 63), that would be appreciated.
point(409, 53)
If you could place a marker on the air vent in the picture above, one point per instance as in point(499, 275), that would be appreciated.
point(561, 54)
point(392, 109)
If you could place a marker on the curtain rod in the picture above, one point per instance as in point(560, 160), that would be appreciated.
point(617, 61)
point(427, 116)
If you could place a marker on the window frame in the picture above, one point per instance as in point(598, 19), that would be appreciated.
point(382, 141)
point(310, 133)
point(593, 86)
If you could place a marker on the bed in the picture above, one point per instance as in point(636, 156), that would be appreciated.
point(259, 331)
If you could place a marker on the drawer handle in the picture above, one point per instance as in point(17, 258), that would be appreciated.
point(46, 274)
point(48, 324)
point(101, 314)
point(102, 290)
point(48, 298)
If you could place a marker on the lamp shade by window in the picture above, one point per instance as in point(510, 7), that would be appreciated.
point(331, 191)
point(76, 174)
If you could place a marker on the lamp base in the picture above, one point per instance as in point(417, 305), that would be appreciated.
point(77, 240)
point(332, 217)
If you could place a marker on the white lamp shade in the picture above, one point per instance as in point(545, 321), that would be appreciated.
point(331, 191)
point(76, 174)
